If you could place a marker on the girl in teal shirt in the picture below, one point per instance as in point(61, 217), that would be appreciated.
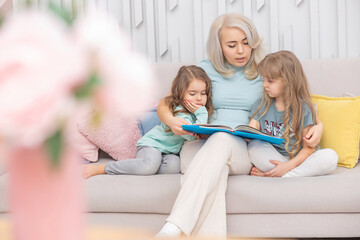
point(157, 150)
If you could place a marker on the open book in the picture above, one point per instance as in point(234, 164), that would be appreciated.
point(244, 131)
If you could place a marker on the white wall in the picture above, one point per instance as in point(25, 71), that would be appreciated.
point(176, 30)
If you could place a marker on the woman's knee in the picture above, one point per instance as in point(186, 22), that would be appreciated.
point(188, 152)
point(223, 137)
point(226, 142)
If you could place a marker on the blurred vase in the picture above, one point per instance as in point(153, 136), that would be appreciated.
point(45, 201)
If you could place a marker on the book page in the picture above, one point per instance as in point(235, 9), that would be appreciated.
point(246, 128)
point(215, 126)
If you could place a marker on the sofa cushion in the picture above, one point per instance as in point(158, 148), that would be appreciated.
point(341, 119)
point(132, 194)
point(148, 120)
point(116, 135)
point(334, 193)
point(246, 194)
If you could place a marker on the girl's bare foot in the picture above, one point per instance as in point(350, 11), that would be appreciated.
point(256, 172)
point(90, 170)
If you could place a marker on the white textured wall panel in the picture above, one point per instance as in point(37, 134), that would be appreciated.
point(274, 25)
point(177, 31)
point(126, 15)
point(173, 4)
point(328, 34)
point(314, 29)
point(221, 7)
point(198, 27)
point(161, 24)
point(341, 13)
point(247, 8)
point(353, 28)
point(150, 30)
point(138, 12)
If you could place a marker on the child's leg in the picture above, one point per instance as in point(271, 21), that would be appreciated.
point(92, 169)
point(147, 162)
point(261, 153)
point(319, 163)
point(170, 164)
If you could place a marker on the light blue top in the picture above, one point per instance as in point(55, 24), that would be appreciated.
point(168, 142)
point(272, 123)
point(233, 97)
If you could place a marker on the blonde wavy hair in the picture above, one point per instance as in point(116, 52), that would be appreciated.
point(215, 52)
point(286, 66)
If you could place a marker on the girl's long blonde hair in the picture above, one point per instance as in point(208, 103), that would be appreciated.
point(214, 50)
point(286, 66)
point(182, 81)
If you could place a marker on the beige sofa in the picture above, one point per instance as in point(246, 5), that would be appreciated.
point(326, 206)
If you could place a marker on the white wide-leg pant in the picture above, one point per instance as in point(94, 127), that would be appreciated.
point(200, 208)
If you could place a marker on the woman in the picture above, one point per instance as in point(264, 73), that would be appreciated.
point(234, 49)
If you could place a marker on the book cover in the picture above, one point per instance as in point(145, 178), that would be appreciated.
point(244, 131)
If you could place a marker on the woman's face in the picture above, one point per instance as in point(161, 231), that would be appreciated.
point(235, 47)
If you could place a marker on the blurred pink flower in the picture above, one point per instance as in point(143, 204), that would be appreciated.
point(39, 67)
point(43, 61)
point(127, 79)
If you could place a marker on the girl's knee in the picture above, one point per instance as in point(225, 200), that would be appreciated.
point(326, 159)
point(331, 158)
point(150, 166)
point(170, 165)
point(254, 145)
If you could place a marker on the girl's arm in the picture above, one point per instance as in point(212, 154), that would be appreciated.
point(255, 124)
point(167, 118)
point(313, 136)
point(283, 167)
point(201, 116)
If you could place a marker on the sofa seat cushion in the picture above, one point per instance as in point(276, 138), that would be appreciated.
point(335, 193)
point(132, 194)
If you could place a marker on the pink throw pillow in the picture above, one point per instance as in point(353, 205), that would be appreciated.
point(78, 141)
point(116, 135)
point(86, 149)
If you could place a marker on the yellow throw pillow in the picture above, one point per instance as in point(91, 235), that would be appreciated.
point(341, 119)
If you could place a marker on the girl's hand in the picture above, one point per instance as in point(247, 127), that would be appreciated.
point(196, 135)
point(279, 170)
point(191, 107)
point(176, 126)
point(203, 136)
point(313, 136)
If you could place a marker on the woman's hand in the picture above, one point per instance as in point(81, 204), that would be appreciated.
point(313, 136)
point(191, 107)
point(176, 126)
